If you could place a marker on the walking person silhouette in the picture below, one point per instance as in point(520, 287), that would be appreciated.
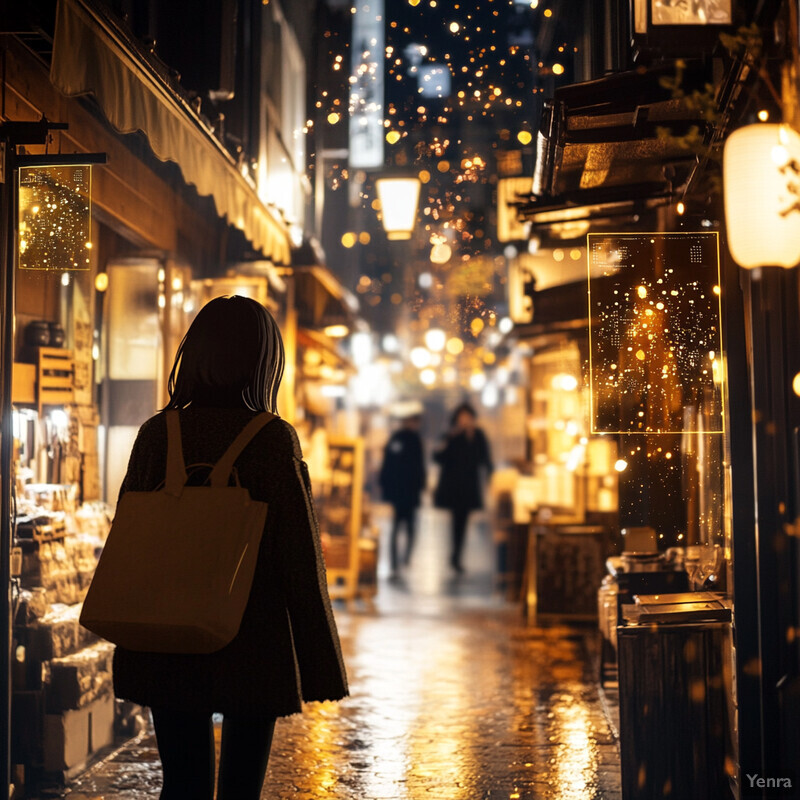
point(462, 453)
point(402, 479)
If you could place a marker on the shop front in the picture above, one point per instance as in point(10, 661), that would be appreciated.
point(107, 261)
point(662, 374)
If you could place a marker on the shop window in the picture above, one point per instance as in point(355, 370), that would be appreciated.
point(655, 371)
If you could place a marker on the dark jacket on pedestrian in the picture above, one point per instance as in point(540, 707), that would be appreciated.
point(461, 458)
point(402, 475)
point(287, 649)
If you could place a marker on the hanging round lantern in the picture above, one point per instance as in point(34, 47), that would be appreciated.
point(761, 172)
point(398, 198)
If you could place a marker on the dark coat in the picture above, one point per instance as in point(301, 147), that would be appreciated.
point(461, 458)
point(287, 649)
point(402, 476)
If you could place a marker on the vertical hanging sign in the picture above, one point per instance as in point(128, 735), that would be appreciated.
point(55, 217)
point(655, 338)
point(366, 85)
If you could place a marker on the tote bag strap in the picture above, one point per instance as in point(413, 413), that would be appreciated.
point(222, 471)
point(176, 467)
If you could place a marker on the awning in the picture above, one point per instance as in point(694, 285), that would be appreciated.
point(91, 57)
point(321, 299)
point(613, 149)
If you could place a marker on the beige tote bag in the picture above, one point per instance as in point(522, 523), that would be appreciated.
point(176, 571)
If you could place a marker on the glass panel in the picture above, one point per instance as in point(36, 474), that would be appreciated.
point(134, 330)
point(55, 216)
point(654, 333)
point(697, 12)
point(640, 16)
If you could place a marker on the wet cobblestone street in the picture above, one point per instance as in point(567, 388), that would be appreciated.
point(452, 699)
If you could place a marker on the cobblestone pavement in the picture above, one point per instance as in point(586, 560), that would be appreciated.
point(452, 699)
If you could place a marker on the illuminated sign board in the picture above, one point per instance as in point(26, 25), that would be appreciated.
point(366, 86)
point(55, 216)
point(655, 341)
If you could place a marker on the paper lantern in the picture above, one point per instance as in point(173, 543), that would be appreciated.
point(398, 198)
point(761, 170)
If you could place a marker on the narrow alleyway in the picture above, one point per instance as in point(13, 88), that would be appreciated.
point(452, 699)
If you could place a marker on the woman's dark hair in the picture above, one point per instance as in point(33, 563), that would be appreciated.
point(459, 409)
point(233, 345)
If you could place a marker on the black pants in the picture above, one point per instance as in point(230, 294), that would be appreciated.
point(459, 522)
point(405, 517)
point(186, 747)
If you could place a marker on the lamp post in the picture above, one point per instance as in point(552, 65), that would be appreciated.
point(399, 197)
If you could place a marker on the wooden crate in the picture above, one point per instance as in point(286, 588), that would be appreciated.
point(55, 380)
point(23, 384)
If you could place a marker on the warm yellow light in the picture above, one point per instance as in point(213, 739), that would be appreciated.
point(413, 2)
point(338, 331)
point(333, 118)
point(428, 376)
point(762, 220)
point(348, 239)
point(525, 137)
point(558, 69)
point(763, 115)
point(393, 137)
point(641, 291)
point(88, 245)
point(476, 326)
point(101, 281)
point(455, 346)
point(420, 357)
point(680, 208)
point(558, 254)
point(454, 27)
point(441, 253)
point(443, 166)
point(620, 465)
point(399, 198)
point(548, 12)
point(565, 382)
point(424, 176)
point(435, 340)
point(796, 384)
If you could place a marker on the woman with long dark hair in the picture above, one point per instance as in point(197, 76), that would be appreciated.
point(228, 369)
point(462, 453)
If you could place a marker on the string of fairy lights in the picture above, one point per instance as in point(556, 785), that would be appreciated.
point(462, 88)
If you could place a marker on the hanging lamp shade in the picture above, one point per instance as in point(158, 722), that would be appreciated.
point(398, 197)
point(761, 172)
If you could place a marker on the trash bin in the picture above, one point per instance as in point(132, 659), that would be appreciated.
point(673, 711)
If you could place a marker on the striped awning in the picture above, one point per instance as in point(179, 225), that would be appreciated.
point(91, 57)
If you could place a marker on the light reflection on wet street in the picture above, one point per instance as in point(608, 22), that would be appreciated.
point(452, 698)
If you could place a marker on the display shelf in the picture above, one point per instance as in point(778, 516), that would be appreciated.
point(55, 378)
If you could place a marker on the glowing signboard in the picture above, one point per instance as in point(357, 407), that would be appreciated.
point(55, 216)
point(366, 86)
point(655, 344)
